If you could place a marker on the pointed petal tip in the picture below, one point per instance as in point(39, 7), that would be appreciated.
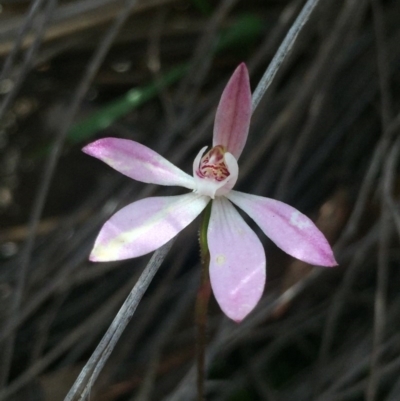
point(240, 73)
point(237, 320)
point(245, 78)
point(323, 256)
point(93, 148)
point(242, 67)
point(320, 256)
point(101, 253)
point(237, 316)
point(331, 262)
point(95, 255)
point(319, 259)
point(87, 149)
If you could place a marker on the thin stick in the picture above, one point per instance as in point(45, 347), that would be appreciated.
point(282, 52)
point(81, 388)
point(92, 326)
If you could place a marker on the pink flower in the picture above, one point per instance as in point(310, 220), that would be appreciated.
point(237, 257)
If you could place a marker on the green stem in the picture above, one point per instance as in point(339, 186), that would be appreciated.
point(203, 296)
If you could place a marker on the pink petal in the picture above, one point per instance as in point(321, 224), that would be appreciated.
point(289, 229)
point(145, 225)
point(138, 162)
point(232, 120)
point(237, 261)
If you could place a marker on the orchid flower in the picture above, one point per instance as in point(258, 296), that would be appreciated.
point(237, 258)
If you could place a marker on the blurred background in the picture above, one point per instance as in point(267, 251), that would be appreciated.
point(324, 139)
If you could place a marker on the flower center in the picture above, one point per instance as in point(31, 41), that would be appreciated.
point(212, 165)
point(215, 173)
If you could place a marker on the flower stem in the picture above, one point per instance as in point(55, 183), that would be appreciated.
point(203, 296)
